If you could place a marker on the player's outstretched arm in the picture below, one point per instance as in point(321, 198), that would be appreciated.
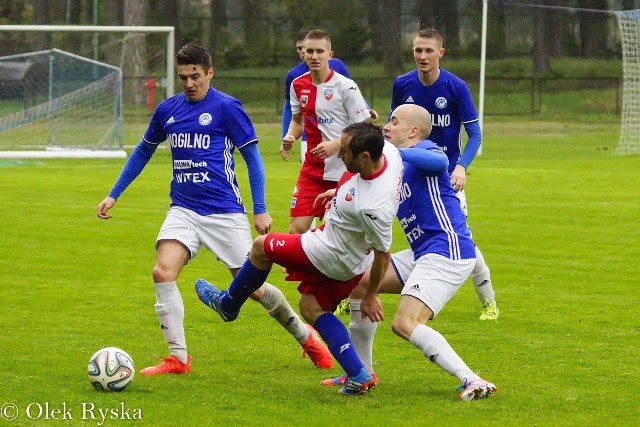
point(132, 168)
point(255, 169)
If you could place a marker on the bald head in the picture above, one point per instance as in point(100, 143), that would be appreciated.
point(408, 124)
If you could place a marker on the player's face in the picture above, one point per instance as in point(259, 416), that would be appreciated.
point(317, 54)
point(427, 54)
point(351, 162)
point(300, 49)
point(397, 130)
point(194, 80)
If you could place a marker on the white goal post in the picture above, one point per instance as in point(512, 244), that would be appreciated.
point(629, 26)
point(56, 124)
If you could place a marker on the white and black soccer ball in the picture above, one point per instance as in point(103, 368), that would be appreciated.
point(110, 369)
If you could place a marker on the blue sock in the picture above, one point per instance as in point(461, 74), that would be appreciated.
point(246, 282)
point(335, 334)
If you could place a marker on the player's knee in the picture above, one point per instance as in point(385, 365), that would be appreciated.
point(402, 327)
point(162, 275)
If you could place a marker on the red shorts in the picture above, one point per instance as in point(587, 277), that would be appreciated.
point(305, 193)
point(286, 250)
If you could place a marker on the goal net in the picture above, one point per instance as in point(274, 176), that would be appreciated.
point(59, 101)
point(629, 24)
point(71, 90)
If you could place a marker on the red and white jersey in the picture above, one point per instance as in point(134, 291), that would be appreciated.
point(360, 218)
point(326, 110)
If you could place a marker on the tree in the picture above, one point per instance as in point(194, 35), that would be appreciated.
point(593, 28)
point(392, 42)
point(542, 20)
point(256, 31)
point(41, 17)
point(134, 53)
point(218, 10)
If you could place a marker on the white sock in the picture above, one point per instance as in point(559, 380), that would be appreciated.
point(278, 307)
point(436, 348)
point(362, 332)
point(481, 278)
point(170, 311)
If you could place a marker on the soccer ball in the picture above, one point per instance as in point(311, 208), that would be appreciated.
point(110, 369)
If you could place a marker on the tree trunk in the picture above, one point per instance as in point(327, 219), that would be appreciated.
point(426, 13)
point(542, 40)
point(378, 33)
point(497, 34)
point(256, 31)
point(41, 17)
point(219, 20)
point(593, 29)
point(392, 42)
point(114, 44)
point(447, 12)
point(134, 53)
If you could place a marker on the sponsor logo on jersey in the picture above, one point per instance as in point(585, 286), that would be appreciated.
point(328, 94)
point(350, 195)
point(188, 164)
point(415, 287)
point(304, 99)
point(353, 88)
point(171, 121)
point(324, 121)
point(409, 99)
point(204, 119)
point(441, 102)
point(414, 234)
point(361, 110)
point(185, 140)
point(372, 217)
point(195, 177)
point(440, 120)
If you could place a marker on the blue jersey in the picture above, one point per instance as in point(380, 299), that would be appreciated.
point(300, 69)
point(448, 100)
point(202, 136)
point(430, 213)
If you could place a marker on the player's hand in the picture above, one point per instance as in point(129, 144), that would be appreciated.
point(325, 149)
point(286, 146)
point(104, 207)
point(371, 307)
point(262, 222)
point(459, 178)
point(374, 114)
point(324, 199)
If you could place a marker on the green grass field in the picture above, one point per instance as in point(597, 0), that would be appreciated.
point(554, 211)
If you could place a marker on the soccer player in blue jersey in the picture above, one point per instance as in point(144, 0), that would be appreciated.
point(203, 128)
point(447, 98)
point(441, 257)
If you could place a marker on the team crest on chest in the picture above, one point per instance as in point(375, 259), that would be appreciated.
point(441, 102)
point(328, 94)
point(304, 99)
point(350, 195)
point(204, 119)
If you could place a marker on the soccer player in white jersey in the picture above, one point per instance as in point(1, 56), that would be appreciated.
point(330, 260)
point(203, 127)
point(441, 257)
point(323, 102)
point(447, 98)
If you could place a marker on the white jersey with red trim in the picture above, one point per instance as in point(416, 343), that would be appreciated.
point(360, 218)
point(326, 108)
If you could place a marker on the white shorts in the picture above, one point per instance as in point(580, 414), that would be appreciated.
point(433, 279)
point(228, 236)
point(463, 202)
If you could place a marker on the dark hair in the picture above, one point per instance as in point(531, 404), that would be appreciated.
point(194, 54)
point(430, 33)
point(302, 34)
point(365, 136)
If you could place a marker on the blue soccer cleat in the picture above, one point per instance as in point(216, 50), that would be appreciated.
point(212, 296)
point(359, 384)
